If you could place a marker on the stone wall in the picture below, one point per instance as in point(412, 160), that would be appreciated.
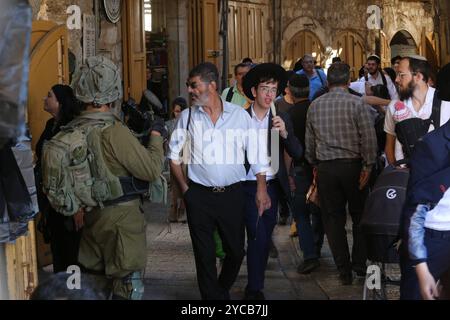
point(327, 18)
point(109, 42)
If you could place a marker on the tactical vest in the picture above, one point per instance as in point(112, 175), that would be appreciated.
point(74, 170)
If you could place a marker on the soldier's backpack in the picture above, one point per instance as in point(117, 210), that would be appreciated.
point(74, 171)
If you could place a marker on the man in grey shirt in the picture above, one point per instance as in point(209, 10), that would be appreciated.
point(341, 143)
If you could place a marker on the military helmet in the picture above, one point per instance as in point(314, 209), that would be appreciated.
point(98, 81)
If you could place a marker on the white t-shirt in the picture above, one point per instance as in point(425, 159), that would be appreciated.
point(396, 112)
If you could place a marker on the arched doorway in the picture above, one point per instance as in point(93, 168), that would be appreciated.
point(300, 44)
point(350, 48)
point(403, 44)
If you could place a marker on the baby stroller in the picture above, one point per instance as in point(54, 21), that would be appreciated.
point(379, 224)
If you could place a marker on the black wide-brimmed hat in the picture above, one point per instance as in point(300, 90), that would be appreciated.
point(264, 70)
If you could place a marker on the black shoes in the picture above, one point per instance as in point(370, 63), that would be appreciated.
point(254, 295)
point(346, 278)
point(308, 265)
point(360, 271)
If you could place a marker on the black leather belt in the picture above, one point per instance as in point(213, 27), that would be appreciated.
point(215, 189)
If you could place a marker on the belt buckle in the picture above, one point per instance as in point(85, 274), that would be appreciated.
point(218, 189)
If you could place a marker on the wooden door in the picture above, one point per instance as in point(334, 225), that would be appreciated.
point(352, 51)
point(134, 58)
point(203, 32)
point(211, 51)
point(48, 66)
point(246, 37)
point(304, 42)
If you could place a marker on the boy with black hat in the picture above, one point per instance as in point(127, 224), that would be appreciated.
point(263, 84)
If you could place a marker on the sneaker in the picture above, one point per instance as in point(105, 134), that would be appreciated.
point(254, 295)
point(308, 266)
point(273, 251)
point(346, 278)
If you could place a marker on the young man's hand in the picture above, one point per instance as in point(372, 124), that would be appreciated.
point(427, 283)
point(279, 124)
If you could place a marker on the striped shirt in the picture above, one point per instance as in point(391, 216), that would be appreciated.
point(339, 126)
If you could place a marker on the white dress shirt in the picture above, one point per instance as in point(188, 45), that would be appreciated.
point(379, 80)
point(262, 126)
point(218, 150)
point(394, 116)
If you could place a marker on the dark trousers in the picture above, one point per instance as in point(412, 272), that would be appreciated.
point(307, 216)
point(338, 185)
point(64, 241)
point(438, 261)
point(259, 234)
point(206, 212)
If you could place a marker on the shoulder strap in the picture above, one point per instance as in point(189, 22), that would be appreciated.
point(436, 111)
point(383, 77)
point(230, 94)
point(189, 118)
point(320, 77)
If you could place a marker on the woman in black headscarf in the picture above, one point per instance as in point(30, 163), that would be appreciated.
point(57, 229)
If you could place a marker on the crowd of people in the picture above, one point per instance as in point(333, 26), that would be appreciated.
point(303, 143)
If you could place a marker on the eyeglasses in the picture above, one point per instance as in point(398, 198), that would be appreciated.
point(267, 90)
point(401, 75)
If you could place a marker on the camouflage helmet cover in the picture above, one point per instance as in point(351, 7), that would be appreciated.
point(98, 81)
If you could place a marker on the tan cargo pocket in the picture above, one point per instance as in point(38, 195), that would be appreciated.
point(131, 246)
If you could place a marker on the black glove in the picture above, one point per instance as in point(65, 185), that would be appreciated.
point(158, 125)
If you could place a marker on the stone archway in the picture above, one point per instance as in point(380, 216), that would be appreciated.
point(313, 35)
point(304, 42)
point(349, 46)
point(403, 44)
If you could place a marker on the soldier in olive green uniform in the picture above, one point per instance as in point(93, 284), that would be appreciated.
point(113, 237)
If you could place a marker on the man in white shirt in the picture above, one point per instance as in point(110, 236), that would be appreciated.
point(416, 102)
point(376, 76)
point(212, 190)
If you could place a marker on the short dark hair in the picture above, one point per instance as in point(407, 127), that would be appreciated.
point(338, 74)
point(247, 60)
point(391, 73)
point(374, 58)
point(299, 85)
point(336, 59)
point(394, 59)
point(240, 65)
point(207, 71)
point(419, 65)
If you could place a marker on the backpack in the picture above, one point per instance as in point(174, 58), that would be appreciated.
point(74, 171)
point(380, 220)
